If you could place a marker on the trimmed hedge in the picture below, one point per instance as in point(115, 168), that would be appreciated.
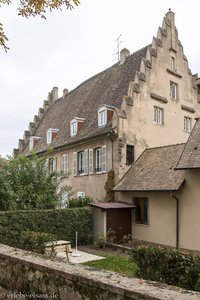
point(169, 266)
point(62, 223)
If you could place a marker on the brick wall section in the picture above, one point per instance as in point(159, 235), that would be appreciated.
point(28, 273)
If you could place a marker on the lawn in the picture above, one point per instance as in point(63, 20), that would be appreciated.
point(115, 263)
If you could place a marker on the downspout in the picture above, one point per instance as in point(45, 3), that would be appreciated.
point(177, 219)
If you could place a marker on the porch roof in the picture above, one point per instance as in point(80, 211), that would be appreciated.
point(111, 205)
point(154, 171)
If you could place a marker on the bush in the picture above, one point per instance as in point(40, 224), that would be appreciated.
point(80, 202)
point(63, 223)
point(35, 241)
point(169, 266)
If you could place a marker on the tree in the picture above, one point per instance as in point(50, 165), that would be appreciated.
point(33, 8)
point(31, 183)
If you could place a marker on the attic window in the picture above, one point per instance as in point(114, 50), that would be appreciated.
point(105, 113)
point(33, 141)
point(51, 135)
point(75, 125)
point(173, 63)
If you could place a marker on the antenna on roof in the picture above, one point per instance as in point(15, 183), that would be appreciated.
point(117, 52)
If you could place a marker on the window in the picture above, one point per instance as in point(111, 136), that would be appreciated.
point(80, 159)
point(64, 164)
point(33, 141)
point(51, 135)
point(102, 119)
point(187, 124)
point(173, 90)
point(158, 115)
point(64, 201)
point(130, 154)
point(52, 165)
point(100, 160)
point(141, 211)
point(80, 194)
point(173, 63)
point(81, 162)
point(73, 127)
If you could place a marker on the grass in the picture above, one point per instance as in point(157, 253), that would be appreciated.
point(119, 264)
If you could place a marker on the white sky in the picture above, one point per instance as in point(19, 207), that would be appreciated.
point(71, 46)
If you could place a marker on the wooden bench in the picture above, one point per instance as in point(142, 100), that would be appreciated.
point(58, 246)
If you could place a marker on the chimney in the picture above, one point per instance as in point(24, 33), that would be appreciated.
point(123, 55)
point(65, 92)
point(55, 94)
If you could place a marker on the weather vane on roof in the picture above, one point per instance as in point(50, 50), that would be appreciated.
point(117, 51)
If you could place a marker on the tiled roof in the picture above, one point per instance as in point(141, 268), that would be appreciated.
point(107, 87)
point(154, 171)
point(111, 205)
point(190, 158)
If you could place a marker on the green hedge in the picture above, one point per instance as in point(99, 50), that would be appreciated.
point(169, 266)
point(63, 223)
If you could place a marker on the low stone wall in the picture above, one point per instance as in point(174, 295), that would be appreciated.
point(32, 276)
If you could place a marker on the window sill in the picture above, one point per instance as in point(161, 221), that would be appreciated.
point(142, 224)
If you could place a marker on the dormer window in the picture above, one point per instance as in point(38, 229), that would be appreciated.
point(75, 125)
point(33, 141)
point(105, 113)
point(51, 135)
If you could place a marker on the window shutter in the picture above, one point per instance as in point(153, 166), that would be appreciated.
point(103, 159)
point(85, 164)
point(90, 161)
point(54, 164)
point(155, 114)
point(64, 164)
point(74, 164)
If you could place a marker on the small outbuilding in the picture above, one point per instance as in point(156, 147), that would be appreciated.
point(112, 217)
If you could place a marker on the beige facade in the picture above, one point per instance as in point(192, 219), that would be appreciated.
point(162, 217)
point(92, 182)
point(165, 63)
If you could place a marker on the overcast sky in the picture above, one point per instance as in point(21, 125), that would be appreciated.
point(71, 46)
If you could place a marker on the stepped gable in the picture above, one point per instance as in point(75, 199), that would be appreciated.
point(190, 158)
point(154, 171)
point(107, 87)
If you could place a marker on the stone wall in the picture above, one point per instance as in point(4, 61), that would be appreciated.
point(32, 275)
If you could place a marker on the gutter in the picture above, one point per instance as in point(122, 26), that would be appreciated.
point(177, 219)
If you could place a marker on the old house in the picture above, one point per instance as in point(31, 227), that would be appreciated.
point(147, 99)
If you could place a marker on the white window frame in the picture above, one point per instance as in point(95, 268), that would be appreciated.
point(173, 63)
point(64, 164)
point(52, 164)
point(73, 127)
point(74, 170)
point(80, 194)
point(90, 161)
point(49, 135)
point(158, 115)
point(187, 124)
point(98, 160)
point(102, 116)
point(64, 199)
point(81, 158)
point(173, 90)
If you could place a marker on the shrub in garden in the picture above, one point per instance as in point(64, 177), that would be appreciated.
point(169, 266)
point(35, 241)
point(79, 202)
